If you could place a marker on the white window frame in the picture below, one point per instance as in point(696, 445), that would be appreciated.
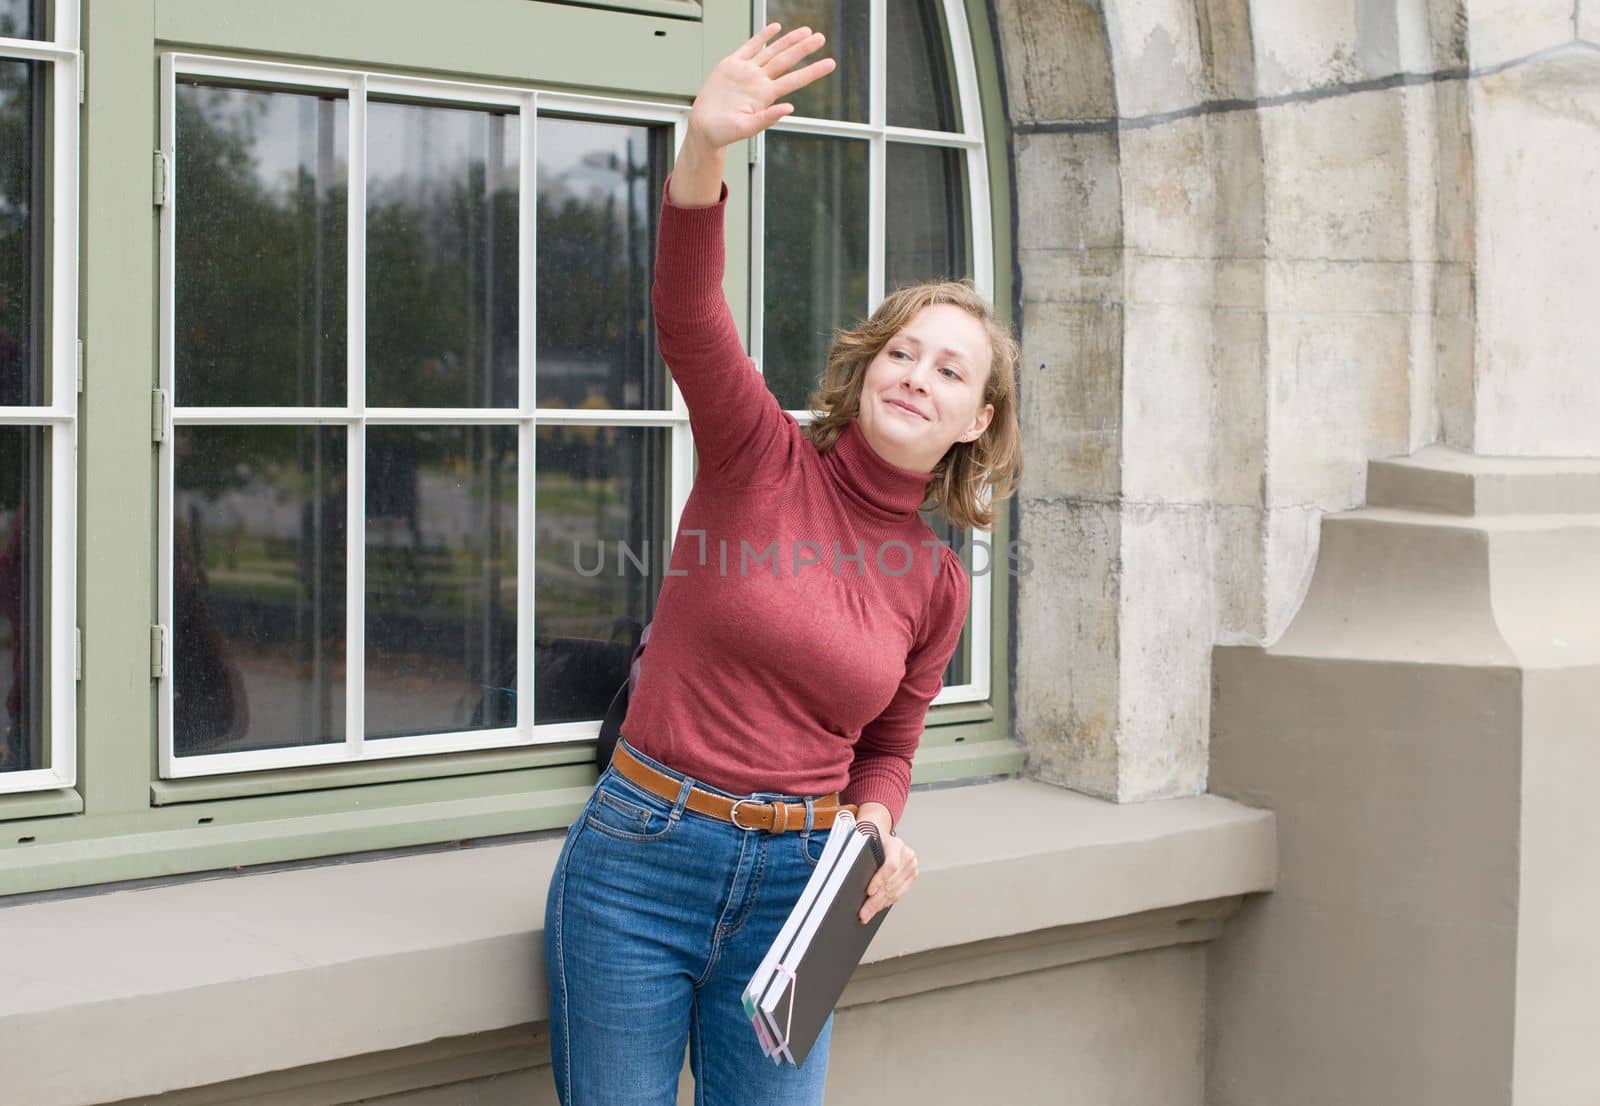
point(355, 416)
point(60, 416)
point(878, 134)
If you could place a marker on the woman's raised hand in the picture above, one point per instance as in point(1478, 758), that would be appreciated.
point(740, 98)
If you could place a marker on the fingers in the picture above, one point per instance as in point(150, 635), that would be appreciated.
point(802, 77)
point(889, 885)
point(764, 56)
point(757, 41)
point(787, 53)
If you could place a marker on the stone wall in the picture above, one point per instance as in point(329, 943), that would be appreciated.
point(1259, 245)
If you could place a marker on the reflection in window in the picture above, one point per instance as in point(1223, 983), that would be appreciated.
point(21, 18)
point(974, 557)
point(847, 23)
point(599, 184)
point(920, 74)
point(599, 489)
point(261, 247)
point(816, 256)
point(441, 544)
point(22, 375)
point(22, 583)
point(441, 257)
point(258, 588)
point(926, 236)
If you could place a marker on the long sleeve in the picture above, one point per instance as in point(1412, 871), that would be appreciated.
point(881, 771)
point(741, 434)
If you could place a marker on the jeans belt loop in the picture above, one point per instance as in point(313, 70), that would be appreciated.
point(683, 799)
point(811, 816)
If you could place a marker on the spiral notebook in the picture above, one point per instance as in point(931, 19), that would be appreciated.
point(802, 976)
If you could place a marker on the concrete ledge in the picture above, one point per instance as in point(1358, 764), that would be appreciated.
point(352, 959)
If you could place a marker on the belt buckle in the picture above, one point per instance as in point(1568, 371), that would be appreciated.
point(733, 815)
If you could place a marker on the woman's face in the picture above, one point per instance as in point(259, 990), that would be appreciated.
point(923, 392)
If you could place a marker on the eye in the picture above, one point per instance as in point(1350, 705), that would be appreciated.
point(950, 373)
point(899, 354)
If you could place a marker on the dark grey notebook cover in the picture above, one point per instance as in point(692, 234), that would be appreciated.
point(837, 946)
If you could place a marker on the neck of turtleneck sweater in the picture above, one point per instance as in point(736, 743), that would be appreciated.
point(881, 488)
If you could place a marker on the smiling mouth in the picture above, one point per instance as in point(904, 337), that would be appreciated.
point(907, 408)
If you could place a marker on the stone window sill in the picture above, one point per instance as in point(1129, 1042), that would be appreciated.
point(355, 958)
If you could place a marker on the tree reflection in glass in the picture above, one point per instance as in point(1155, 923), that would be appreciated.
point(258, 596)
point(600, 488)
point(848, 25)
point(599, 184)
point(816, 256)
point(261, 246)
point(441, 256)
point(920, 74)
point(441, 579)
point(926, 237)
point(22, 597)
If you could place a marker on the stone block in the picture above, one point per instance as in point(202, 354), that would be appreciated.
point(1167, 623)
point(1340, 393)
point(1234, 152)
point(1536, 140)
point(1453, 169)
point(1336, 178)
point(1501, 30)
point(1589, 23)
point(1156, 56)
point(1303, 44)
point(1057, 62)
point(1238, 557)
point(1069, 195)
point(1239, 407)
point(1168, 187)
point(1168, 419)
point(1071, 399)
point(1068, 684)
point(1058, 275)
point(1226, 54)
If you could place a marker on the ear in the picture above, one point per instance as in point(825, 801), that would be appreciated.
point(980, 423)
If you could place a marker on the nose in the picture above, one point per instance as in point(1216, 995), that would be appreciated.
point(916, 377)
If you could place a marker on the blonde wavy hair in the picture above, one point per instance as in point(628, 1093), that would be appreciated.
point(972, 476)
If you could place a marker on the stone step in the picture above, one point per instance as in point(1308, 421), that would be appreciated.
point(1440, 480)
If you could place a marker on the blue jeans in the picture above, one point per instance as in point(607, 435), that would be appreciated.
point(656, 919)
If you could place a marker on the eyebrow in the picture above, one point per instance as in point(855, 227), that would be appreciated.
point(948, 351)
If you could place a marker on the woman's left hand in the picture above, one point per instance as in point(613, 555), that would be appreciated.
point(899, 868)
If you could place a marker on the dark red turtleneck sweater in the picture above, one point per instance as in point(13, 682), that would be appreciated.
point(808, 613)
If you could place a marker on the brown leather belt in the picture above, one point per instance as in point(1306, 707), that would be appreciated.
point(747, 814)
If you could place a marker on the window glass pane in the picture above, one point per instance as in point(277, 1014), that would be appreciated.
point(261, 240)
point(22, 376)
point(975, 556)
point(441, 579)
point(816, 256)
point(441, 257)
point(925, 237)
point(21, 19)
point(258, 587)
point(848, 24)
point(22, 584)
point(600, 516)
point(599, 184)
point(920, 77)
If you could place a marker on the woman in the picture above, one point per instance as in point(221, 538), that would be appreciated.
point(805, 624)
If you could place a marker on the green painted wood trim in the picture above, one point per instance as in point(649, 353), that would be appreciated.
point(515, 41)
point(117, 521)
point(156, 852)
point(39, 804)
point(677, 9)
